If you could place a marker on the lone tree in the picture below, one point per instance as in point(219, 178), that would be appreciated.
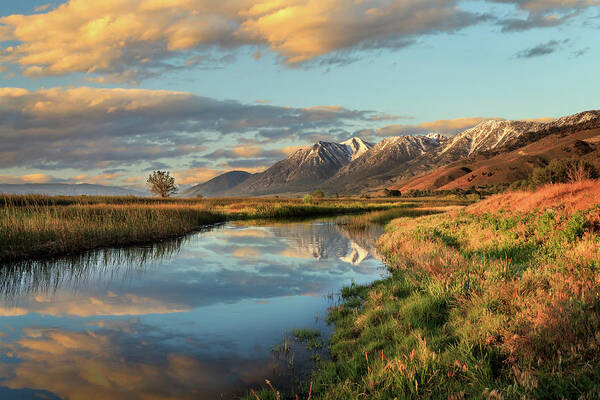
point(318, 194)
point(161, 183)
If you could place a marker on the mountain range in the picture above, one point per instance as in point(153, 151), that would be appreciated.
point(492, 152)
point(66, 189)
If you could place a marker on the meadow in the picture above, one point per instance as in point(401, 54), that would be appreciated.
point(39, 226)
point(500, 300)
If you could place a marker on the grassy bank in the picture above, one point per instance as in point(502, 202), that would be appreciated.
point(501, 301)
point(36, 226)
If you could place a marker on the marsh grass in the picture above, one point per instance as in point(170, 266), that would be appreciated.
point(38, 226)
point(362, 222)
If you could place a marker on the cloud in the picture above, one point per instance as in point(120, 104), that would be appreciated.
point(542, 49)
point(580, 52)
point(87, 128)
point(131, 40)
point(444, 126)
point(543, 13)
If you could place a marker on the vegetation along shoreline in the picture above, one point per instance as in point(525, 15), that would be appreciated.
point(33, 226)
point(499, 300)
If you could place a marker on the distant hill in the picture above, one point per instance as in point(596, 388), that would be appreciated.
point(65, 189)
point(530, 146)
point(217, 185)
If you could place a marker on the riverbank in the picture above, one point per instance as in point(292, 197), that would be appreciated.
point(500, 300)
point(41, 226)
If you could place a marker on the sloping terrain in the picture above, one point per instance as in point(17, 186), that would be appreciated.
point(217, 185)
point(505, 167)
point(381, 162)
point(305, 169)
point(65, 189)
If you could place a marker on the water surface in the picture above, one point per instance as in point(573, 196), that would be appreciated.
point(195, 318)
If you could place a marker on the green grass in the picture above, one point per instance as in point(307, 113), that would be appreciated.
point(496, 305)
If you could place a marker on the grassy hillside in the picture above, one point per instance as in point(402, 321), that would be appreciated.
point(500, 301)
point(509, 165)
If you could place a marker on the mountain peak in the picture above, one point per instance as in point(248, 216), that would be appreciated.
point(357, 146)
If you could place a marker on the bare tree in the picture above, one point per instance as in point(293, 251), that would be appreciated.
point(161, 183)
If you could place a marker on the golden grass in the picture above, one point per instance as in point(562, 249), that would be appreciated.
point(482, 303)
point(569, 196)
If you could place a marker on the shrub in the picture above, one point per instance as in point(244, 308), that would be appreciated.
point(563, 171)
point(307, 199)
point(392, 193)
point(575, 227)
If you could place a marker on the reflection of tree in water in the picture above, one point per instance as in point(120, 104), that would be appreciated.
point(44, 276)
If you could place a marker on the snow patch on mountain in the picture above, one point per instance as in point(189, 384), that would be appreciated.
point(357, 146)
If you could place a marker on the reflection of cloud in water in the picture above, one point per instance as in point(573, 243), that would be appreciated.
point(111, 364)
point(233, 264)
point(63, 304)
point(173, 311)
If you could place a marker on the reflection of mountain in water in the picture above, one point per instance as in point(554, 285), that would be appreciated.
point(326, 240)
point(356, 256)
point(363, 243)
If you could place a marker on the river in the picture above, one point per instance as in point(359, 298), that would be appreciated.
point(194, 318)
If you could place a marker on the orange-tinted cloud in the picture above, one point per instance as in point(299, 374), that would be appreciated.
point(444, 126)
point(126, 39)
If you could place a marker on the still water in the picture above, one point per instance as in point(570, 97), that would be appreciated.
point(195, 318)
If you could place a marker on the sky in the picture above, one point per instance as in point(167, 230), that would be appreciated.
point(107, 91)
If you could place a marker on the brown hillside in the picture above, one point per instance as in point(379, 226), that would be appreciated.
point(568, 196)
point(507, 167)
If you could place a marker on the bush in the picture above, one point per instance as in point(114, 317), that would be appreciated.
point(392, 193)
point(563, 171)
point(575, 227)
point(307, 199)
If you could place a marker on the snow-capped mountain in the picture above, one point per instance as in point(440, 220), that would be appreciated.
point(357, 146)
point(501, 152)
point(494, 134)
point(381, 160)
point(303, 170)
point(355, 165)
point(489, 135)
